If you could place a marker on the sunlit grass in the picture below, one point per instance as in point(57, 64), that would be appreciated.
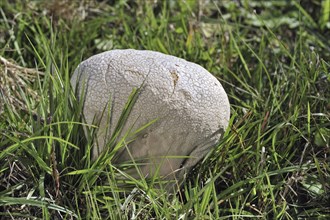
point(273, 162)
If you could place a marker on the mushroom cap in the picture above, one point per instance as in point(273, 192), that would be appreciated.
point(189, 103)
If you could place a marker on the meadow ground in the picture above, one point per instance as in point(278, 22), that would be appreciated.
point(272, 57)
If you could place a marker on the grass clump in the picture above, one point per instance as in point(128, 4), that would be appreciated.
point(272, 58)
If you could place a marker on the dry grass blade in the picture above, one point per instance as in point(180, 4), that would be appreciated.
point(13, 79)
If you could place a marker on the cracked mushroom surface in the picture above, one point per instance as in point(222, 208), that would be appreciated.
point(189, 103)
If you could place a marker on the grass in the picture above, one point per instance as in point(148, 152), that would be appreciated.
point(272, 59)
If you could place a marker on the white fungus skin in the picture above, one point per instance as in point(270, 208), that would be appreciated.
point(189, 103)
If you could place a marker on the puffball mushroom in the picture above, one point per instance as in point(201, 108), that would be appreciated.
point(189, 103)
